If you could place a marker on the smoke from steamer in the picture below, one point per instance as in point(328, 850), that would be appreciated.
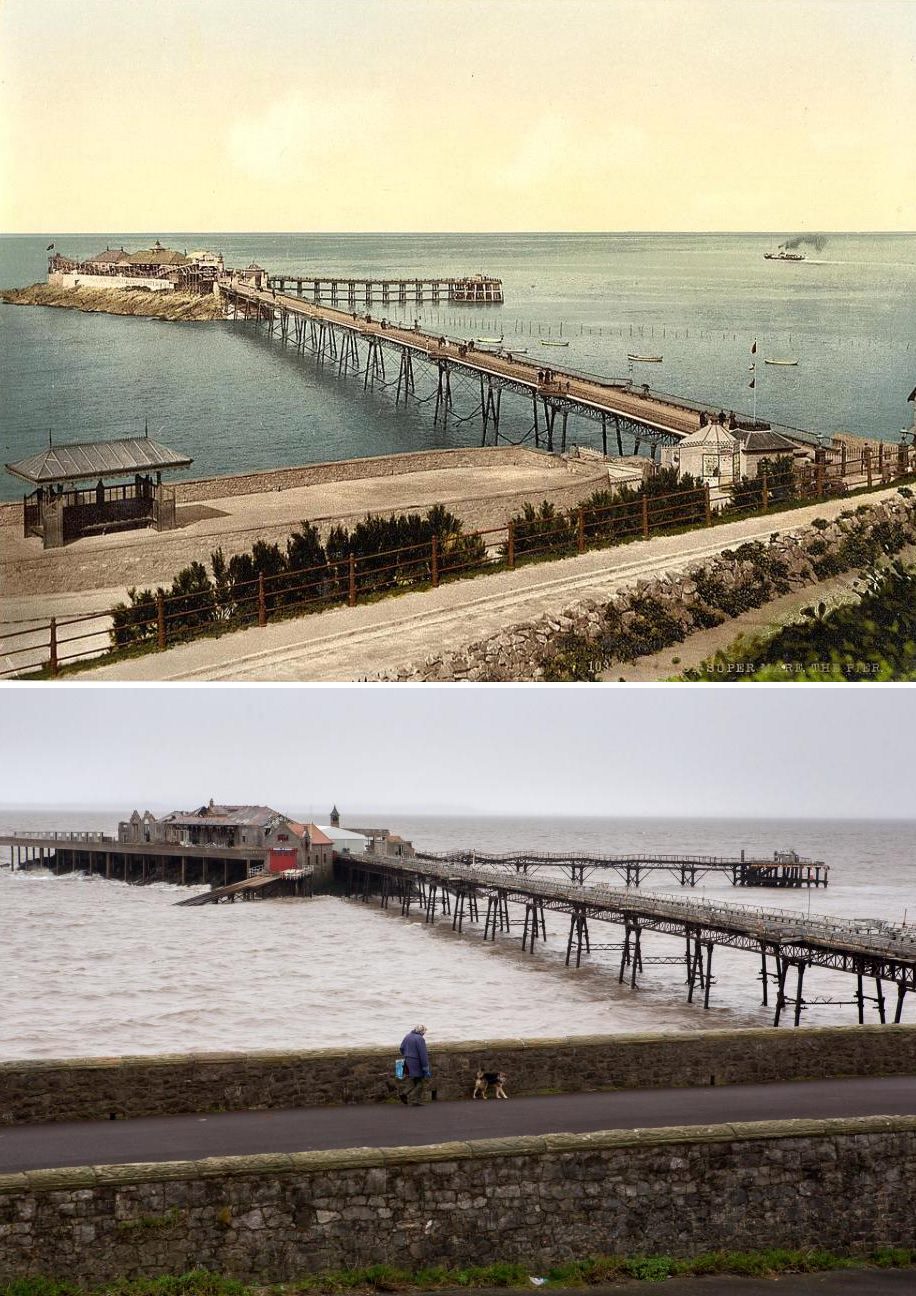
point(817, 241)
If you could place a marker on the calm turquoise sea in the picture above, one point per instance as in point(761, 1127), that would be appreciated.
point(235, 401)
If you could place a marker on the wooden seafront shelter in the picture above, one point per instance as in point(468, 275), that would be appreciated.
point(64, 507)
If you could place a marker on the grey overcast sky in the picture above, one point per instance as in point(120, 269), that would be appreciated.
point(739, 751)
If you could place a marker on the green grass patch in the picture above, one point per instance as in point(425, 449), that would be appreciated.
point(587, 1272)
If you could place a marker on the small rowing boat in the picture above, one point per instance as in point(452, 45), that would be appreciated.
point(491, 341)
point(781, 362)
point(553, 342)
point(645, 359)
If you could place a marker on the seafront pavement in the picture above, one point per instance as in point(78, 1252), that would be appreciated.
point(483, 494)
point(368, 640)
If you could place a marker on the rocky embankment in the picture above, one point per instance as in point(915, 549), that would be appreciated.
point(119, 301)
point(589, 636)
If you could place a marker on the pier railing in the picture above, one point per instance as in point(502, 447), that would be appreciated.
point(47, 646)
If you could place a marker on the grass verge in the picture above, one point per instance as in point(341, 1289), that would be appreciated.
point(577, 1273)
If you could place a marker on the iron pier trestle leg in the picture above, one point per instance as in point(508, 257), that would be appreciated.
point(708, 987)
point(799, 1001)
point(901, 991)
point(782, 968)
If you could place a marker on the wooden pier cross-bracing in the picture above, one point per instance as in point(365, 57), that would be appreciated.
point(869, 950)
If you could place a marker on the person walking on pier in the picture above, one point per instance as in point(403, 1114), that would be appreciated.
point(416, 1059)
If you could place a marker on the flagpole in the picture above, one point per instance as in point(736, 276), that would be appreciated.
point(754, 378)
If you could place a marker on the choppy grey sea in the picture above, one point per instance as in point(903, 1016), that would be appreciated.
point(91, 967)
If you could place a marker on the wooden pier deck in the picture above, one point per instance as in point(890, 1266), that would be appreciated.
point(334, 336)
point(784, 869)
point(871, 950)
point(139, 863)
point(463, 290)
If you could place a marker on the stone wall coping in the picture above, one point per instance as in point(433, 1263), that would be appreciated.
point(114, 1176)
point(572, 1043)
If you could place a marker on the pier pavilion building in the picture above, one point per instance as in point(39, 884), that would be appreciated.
point(159, 268)
point(261, 829)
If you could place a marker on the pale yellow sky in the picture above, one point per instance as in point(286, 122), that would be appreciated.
point(457, 115)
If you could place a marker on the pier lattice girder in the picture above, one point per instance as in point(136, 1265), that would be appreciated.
point(870, 950)
point(687, 870)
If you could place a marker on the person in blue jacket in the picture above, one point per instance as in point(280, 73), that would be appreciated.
point(416, 1059)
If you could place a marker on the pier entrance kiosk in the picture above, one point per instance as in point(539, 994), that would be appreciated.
point(63, 507)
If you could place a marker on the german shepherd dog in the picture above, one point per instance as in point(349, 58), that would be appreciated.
point(494, 1080)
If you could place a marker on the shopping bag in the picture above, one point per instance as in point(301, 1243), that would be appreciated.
point(400, 1069)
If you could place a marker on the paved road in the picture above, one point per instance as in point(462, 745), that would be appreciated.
point(351, 643)
point(179, 1138)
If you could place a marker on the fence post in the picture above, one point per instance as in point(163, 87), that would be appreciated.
point(707, 504)
point(351, 586)
point(262, 601)
point(510, 542)
point(580, 534)
point(866, 455)
point(820, 478)
point(434, 562)
point(160, 621)
point(880, 458)
point(52, 646)
point(764, 492)
point(645, 517)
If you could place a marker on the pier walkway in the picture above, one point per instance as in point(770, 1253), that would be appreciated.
point(871, 950)
point(333, 336)
point(292, 882)
point(784, 869)
point(194, 1136)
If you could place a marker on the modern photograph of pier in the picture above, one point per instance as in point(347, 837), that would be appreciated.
point(518, 387)
point(702, 949)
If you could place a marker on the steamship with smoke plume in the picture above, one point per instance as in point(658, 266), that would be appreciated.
point(782, 254)
point(788, 251)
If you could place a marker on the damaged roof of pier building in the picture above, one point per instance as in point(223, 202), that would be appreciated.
point(252, 815)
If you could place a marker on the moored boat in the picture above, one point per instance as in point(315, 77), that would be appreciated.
point(553, 342)
point(490, 341)
point(781, 362)
point(645, 359)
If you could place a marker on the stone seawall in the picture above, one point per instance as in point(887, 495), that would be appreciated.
point(838, 1184)
point(97, 1088)
point(393, 465)
point(198, 489)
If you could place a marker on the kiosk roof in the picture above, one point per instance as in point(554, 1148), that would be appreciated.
point(82, 459)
